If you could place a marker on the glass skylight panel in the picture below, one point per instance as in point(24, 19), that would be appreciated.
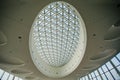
point(99, 78)
point(11, 77)
point(56, 33)
point(86, 78)
point(94, 78)
point(109, 76)
point(96, 72)
point(115, 61)
point(108, 71)
point(5, 76)
point(16, 78)
point(115, 74)
point(1, 72)
point(83, 78)
point(65, 19)
point(100, 70)
point(90, 76)
point(118, 55)
point(118, 68)
point(104, 68)
point(93, 75)
point(109, 65)
point(104, 77)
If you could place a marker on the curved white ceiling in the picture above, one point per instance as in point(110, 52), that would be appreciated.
point(16, 19)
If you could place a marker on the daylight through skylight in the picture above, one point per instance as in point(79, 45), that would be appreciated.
point(56, 33)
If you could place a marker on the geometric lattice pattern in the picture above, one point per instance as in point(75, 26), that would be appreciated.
point(7, 76)
point(108, 71)
point(56, 33)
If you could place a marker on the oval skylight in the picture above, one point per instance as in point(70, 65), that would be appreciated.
point(57, 39)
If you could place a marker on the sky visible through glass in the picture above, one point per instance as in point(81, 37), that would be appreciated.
point(7, 76)
point(56, 33)
point(108, 71)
